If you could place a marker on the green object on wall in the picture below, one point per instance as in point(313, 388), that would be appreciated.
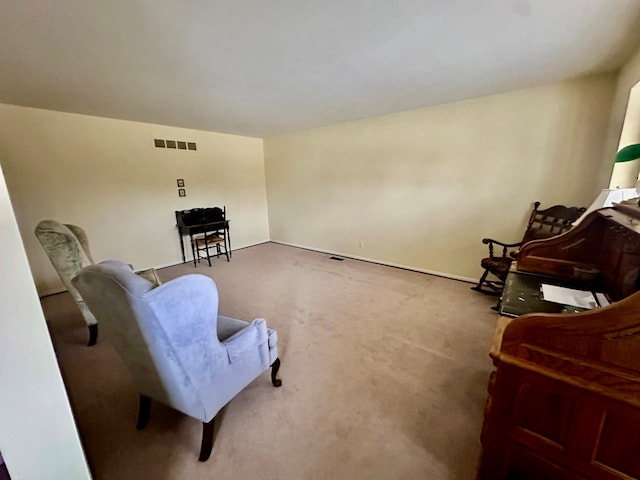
point(628, 153)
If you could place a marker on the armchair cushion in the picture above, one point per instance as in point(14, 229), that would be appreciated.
point(246, 340)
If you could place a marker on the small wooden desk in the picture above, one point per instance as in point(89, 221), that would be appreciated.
point(191, 229)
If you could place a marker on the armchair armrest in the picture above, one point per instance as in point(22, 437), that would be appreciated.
point(505, 246)
point(247, 339)
point(502, 244)
point(116, 263)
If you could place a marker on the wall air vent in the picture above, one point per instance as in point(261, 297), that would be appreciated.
point(176, 144)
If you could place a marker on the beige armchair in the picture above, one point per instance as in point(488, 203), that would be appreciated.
point(67, 247)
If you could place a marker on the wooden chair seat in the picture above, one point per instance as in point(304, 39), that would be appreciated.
point(209, 241)
point(499, 266)
point(205, 245)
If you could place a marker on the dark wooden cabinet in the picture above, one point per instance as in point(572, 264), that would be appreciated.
point(564, 399)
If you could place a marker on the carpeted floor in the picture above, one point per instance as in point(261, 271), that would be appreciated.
point(384, 377)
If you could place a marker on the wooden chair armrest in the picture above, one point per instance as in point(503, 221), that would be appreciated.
point(502, 244)
point(505, 246)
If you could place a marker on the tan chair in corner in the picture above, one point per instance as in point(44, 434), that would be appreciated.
point(67, 247)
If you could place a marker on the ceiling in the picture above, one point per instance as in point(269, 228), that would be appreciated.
point(259, 68)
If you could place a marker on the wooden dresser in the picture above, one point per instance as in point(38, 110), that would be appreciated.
point(564, 398)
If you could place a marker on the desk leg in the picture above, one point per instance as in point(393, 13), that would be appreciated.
point(181, 245)
point(194, 249)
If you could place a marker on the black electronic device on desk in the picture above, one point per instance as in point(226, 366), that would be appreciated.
point(202, 220)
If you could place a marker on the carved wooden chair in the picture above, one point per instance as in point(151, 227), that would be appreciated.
point(213, 238)
point(542, 224)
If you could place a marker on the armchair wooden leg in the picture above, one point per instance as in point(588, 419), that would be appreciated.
point(143, 412)
point(93, 335)
point(275, 366)
point(207, 440)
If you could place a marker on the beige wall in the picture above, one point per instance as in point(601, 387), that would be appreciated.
point(38, 437)
point(421, 188)
point(418, 189)
point(106, 176)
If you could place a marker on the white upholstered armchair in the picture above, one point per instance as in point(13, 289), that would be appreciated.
point(177, 348)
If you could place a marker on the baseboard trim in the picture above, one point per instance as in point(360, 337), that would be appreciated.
point(189, 258)
point(380, 262)
point(56, 291)
point(49, 293)
point(303, 247)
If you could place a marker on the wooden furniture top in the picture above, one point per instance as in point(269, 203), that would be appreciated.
point(596, 349)
point(607, 240)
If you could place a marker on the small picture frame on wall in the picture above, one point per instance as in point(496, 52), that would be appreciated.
point(180, 182)
point(182, 192)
